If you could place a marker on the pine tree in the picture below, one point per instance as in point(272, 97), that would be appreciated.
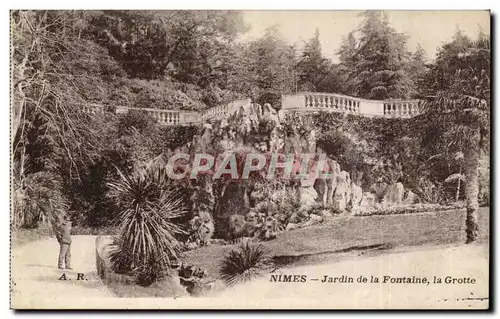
point(312, 67)
point(376, 63)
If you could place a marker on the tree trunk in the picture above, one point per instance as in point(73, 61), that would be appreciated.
point(457, 195)
point(471, 157)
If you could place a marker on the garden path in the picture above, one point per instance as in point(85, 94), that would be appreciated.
point(36, 281)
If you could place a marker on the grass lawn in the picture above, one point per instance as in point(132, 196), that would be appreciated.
point(345, 237)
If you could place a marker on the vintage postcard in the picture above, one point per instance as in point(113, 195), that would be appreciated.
point(183, 159)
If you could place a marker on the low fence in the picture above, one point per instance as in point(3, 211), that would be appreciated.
point(300, 102)
point(225, 110)
point(313, 102)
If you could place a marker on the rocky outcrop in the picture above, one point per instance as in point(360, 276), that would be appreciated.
point(325, 187)
point(343, 191)
point(379, 189)
point(307, 196)
point(368, 201)
point(356, 196)
point(410, 198)
point(394, 195)
point(201, 229)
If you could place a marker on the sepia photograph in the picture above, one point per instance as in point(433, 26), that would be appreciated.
point(238, 159)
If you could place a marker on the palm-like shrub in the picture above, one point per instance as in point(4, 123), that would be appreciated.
point(146, 241)
point(243, 264)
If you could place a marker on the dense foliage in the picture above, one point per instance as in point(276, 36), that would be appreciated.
point(148, 208)
point(243, 264)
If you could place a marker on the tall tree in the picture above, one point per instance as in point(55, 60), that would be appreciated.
point(378, 60)
point(348, 62)
point(460, 79)
point(312, 66)
point(189, 45)
point(271, 67)
point(418, 69)
point(56, 71)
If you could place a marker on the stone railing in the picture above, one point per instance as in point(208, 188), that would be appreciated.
point(225, 110)
point(172, 117)
point(93, 108)
point(401, 108)
point(314, 102)
point(299, 102)
point(164, 117)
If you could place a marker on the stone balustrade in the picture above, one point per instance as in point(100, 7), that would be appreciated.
point(299, 102)
point(314, 102)
point(225, 110)
point(329, 101)
point(93, 108)
point(401, 108)
point(163, 117)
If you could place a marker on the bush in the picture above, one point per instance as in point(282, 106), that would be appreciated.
point(38, 200)
point(243, 264)
point(146, 243)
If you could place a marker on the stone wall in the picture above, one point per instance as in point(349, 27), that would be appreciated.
point(103, 244)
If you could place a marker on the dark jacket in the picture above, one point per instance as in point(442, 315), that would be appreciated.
point(63, 233)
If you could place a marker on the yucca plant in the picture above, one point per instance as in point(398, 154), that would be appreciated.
point(243, 264)
point(146, 243)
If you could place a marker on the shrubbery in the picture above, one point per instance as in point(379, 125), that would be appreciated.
point(146, 244)
point(243, 264)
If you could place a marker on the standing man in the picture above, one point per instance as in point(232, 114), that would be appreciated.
point(63, 235)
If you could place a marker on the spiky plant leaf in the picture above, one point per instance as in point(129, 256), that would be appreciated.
point(147, 242)
point(243, 264)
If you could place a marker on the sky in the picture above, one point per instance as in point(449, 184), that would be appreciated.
point(430, 29)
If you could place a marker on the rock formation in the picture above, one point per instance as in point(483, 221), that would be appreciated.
point(394, 195)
